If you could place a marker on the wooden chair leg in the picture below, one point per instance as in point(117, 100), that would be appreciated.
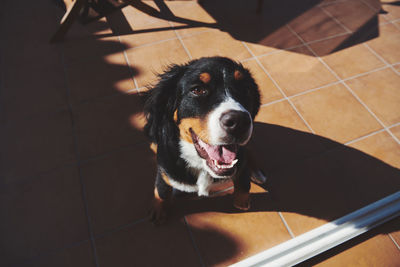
point(70, 16)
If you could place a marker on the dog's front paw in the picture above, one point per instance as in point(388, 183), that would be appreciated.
point(158, 213)
point(241, 201)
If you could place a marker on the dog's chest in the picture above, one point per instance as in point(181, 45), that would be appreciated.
point(205, 183)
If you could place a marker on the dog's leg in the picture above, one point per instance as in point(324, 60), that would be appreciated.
point(241, 195)
point(161, 201)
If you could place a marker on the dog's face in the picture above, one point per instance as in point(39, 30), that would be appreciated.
point(215, 101)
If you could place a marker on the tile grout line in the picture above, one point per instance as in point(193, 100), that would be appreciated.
point(121, 227)
point(78, 164)
point(280, 89)
point(348, 88)
point(335, 20)
point(194, 244)
point(286, 224)
point(363, 137)
point(394, 125)
point(394, 241)
point(51, 251)
point(381, 58)
point(181, 41)
point(129, 66)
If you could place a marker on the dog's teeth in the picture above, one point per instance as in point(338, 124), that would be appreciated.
point(225, 166)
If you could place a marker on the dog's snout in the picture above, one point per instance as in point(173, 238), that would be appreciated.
point(235, 122)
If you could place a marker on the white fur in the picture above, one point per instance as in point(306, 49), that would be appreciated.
point(216, 133)
point(183, 187)
point(204, 182)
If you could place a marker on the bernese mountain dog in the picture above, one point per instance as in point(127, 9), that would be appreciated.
point(199, 119)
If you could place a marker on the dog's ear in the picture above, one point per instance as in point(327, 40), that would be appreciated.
point(253, 93)
point(161, 103)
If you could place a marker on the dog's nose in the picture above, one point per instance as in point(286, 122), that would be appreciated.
point(235, 122)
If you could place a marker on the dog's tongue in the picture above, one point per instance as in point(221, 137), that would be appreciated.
point(224, 154)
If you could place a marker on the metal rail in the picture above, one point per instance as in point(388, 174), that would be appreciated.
point(327, 236)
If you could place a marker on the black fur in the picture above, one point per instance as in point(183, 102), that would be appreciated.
point(171, 94)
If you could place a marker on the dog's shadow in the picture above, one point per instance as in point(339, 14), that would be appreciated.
point(309, 175)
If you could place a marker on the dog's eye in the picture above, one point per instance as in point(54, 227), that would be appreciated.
point(199, 91)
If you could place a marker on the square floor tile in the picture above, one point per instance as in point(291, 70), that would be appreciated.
point(281, 138)
point(138, 28)
point(388, 43)
point(377, 251)
point(79, 255)
point(224, 239)
point(380, 91)
point(269, 92)
point(30, 147)
point(108, 123)
point(282, 114)
point(335, 113)
point(195, 18)
point(143, 244)
point(41, 214)
point(381, 146)
point(315, 24)
point(349, 61)
point(297, 70)
point(215, 43)
point(119, 187)
point(353, 14)
point(98, 77)
point(152, 59)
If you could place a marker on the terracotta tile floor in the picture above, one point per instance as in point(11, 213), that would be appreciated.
point(76, 173)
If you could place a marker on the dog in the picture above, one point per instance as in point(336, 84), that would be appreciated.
point(199, 118)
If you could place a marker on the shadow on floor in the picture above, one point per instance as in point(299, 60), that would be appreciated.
point(268, 25)
point(310, 175)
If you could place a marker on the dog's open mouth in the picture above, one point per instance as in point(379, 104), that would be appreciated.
point(221, 159)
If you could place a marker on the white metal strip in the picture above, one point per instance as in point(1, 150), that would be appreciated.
point(327, 236)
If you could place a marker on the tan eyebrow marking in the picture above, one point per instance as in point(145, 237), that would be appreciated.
point(205, 77)
point(238, 75)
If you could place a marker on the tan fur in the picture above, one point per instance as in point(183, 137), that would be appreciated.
point(176, 116)
point(198, 125)
point(159, 209)
point(205, 77)
point(165, 178)
point(238, 75)
point(153, 147)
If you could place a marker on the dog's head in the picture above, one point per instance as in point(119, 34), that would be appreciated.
point(207, 106)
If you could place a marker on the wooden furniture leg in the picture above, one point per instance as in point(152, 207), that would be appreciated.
point(73, 9)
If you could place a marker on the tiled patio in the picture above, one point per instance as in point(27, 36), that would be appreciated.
point(76, 172)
